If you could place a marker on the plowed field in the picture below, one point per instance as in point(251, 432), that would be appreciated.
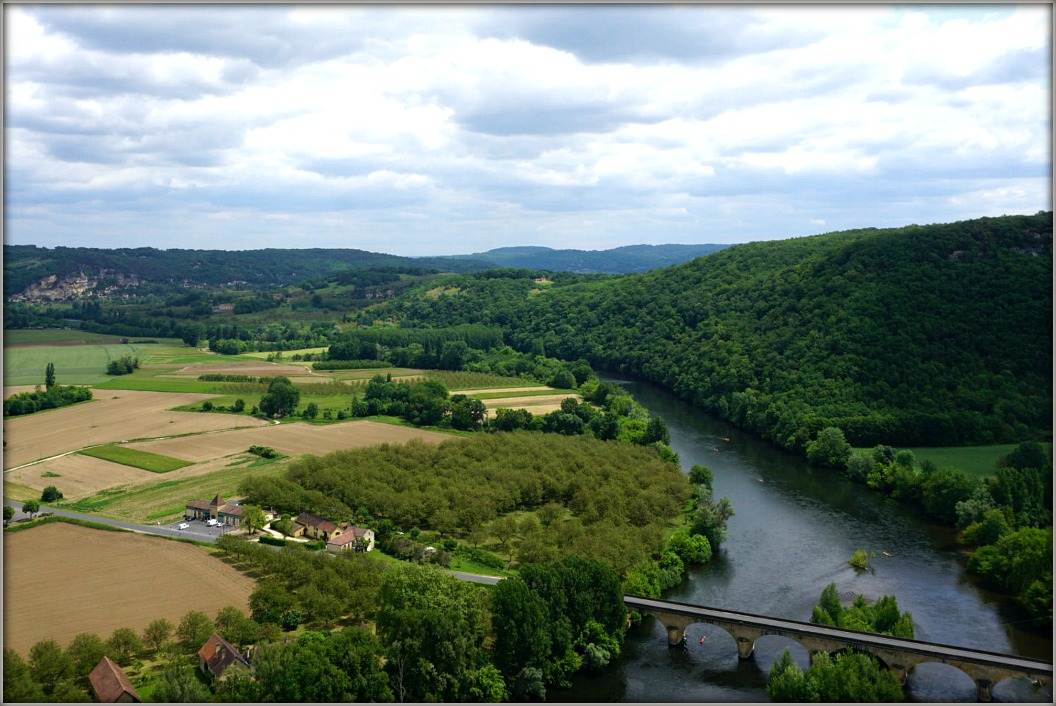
point(289, 439)
point(61, 580)
point(112, 416)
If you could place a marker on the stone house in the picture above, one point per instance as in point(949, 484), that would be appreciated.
point(354, 539)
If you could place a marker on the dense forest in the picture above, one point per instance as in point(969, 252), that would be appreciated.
point(923, 335)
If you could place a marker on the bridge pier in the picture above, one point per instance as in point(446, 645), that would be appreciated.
point(745, 638)
point(676, 628)
point(986, 690)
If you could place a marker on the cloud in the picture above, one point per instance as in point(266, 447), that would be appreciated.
point(424, 129)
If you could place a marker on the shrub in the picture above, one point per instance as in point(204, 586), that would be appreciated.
point(50, 494)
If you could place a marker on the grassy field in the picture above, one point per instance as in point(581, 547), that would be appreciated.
point(74, 365)
point(978, 461)
point(154, 463)
point(16, 336)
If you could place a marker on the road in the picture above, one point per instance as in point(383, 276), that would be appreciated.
point(198, 530)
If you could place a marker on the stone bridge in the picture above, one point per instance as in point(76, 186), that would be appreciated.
point(897, 654)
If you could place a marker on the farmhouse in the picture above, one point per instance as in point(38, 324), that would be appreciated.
point(338, 537)
point(358, 539)
point(110, 685)
point(218, 655)
point(228, 514)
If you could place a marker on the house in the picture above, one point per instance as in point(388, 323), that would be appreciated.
point(228, 514)
point(110, 685)
point(218, 655)
point(309, 525)
point(357, 539)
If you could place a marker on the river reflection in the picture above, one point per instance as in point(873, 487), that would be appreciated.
point(794, 531)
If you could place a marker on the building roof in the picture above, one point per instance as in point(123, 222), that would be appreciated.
point(230, 509)
point(309, 520)
point(109, 682)
point(218, 654)
point(200, 504)
point(349, 536)
point(217, 500)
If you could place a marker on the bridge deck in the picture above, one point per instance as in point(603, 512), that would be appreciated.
point(933, 650)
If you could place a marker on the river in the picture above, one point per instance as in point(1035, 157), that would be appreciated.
point(794, 531)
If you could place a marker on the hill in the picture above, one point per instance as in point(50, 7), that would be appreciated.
point(923, 335)
point(622, 260)
point(81, 269)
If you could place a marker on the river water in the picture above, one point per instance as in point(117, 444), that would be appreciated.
point(794, 531)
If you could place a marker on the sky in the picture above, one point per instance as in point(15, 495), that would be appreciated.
point(418, 130)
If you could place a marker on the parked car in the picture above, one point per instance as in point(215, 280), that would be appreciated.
point(183, 526)
point(212, 522)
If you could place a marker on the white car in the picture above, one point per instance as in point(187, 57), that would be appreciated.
point(212, 523)
point(183, 526)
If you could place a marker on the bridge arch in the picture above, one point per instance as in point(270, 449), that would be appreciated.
point(899, 655)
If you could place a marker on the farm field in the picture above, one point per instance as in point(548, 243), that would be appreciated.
point(74, 364)
point(123, 580)
point(75, 475)
point(537, 405)
point(289, 439)
point(978, 461)
point(110, 417)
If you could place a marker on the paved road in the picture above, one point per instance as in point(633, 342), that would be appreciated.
point(197, 530)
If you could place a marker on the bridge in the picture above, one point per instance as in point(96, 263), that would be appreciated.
point(897, 654)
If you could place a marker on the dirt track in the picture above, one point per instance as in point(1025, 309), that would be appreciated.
point(118, 580)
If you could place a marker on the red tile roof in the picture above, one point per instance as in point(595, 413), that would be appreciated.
point(200, 505)
point(109, 682)
point(229, 509)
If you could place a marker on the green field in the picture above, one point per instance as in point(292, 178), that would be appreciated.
point(155, 463)
point(978, 461)
point(152, 384)
point(57, 336)
point(82, 364)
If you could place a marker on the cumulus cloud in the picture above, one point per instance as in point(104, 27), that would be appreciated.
point(426, 130)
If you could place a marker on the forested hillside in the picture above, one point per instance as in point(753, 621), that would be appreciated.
point(923, 335)
point(25, 265)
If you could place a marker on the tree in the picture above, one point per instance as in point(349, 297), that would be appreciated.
point(49, 665)
point(32, 507)
point(157, 633)
point(844, 678)
point(9, 513)
point(311, 411)
point(520, 620)
point(253, 518)
point(85, 650)
point(124, 645)
point(19, 686)
point(50, 494)
point(49, 376)
point(194, 629)
point(830, 448)
point(281, 398)
point(180, 684)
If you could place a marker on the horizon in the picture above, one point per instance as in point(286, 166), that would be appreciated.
point(425, 131)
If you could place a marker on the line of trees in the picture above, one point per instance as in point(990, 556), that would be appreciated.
point(52, 397)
